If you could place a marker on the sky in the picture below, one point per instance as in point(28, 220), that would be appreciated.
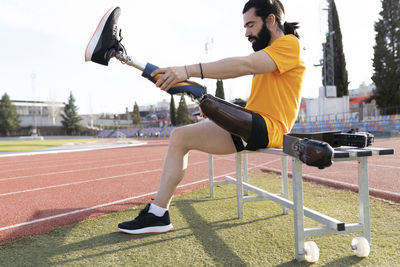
point(42, 46)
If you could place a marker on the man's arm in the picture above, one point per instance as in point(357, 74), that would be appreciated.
point(255, 63)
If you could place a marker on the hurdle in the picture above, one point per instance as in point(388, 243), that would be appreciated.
point(307, 250)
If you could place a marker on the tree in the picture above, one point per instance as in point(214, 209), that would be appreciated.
point(386, 60)
point(219, 92)
point(9, 118)
point(182, 116)
point(340, 75)
point(172, 111)
point(70, 118)
point(136, 114)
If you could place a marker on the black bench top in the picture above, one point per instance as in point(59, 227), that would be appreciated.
point(339, 153)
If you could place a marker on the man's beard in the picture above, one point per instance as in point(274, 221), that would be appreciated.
point(262, 39)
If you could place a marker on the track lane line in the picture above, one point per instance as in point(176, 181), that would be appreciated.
point(99, 147)
point(59, 163)
point(77, 170)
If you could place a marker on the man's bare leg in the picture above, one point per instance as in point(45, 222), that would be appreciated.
point(206, 137)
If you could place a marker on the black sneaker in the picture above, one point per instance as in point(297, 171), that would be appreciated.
point(105, 43)
point(146, 223)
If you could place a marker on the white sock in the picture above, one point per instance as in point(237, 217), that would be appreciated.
point(156, 210)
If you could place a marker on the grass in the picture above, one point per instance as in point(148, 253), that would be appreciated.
point(30, 145)
point(208, 233)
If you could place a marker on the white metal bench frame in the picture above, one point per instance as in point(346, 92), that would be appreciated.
point(332, 226)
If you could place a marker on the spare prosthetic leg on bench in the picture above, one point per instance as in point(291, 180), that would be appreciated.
point(338, 138)
point(106, 44)
point(311, 152)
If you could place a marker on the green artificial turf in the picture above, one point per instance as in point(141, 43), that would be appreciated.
point(208, 233)
point(31, 145)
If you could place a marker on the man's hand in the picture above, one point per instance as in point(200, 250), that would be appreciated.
point(202, 114)
point(169, 76)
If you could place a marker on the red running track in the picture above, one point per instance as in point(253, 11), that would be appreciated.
point(41, 192)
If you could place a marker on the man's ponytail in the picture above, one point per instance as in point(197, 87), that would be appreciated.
point(290, 28)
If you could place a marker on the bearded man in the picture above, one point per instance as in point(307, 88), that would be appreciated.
point(270, 112)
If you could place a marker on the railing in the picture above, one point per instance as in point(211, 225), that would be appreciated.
point(365, 113)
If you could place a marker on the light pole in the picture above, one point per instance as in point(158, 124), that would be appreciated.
point(34, 128)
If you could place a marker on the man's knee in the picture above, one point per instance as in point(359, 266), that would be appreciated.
point(178, 137)
point(175, 135)
point(228, 116)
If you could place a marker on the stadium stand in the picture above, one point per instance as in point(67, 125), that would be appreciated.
point(380, 126)
point(136, 132)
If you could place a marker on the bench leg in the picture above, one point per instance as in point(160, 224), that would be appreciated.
point(211, 174)
point(298, 211)
point(239, 185)
point(363, 197)
point(285, 191)
point(245, 173)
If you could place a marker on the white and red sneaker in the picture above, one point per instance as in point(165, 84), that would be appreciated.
point(105, 43)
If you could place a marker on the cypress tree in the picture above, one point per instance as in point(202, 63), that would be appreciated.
point(172, 111)
point(339, 71)
point(136, 115)
point(9, 118)
point(386, 60)
point(70, 118)
point(182, 117)
point(219, 92)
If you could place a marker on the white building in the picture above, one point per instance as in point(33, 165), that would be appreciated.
point(39, 113)
point(326, 107)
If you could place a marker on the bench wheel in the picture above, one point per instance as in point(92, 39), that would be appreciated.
point(361, 246)
point(311, 251)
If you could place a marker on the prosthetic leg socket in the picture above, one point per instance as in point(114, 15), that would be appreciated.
point(311, 152)
point(231, 117)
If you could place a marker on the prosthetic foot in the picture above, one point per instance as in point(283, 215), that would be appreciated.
point(106, 44)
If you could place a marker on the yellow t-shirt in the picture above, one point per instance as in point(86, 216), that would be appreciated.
point(276, 95)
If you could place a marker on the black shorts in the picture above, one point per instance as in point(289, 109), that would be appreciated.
point(258, 137)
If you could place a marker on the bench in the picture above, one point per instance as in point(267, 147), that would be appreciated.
point(307, 250)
